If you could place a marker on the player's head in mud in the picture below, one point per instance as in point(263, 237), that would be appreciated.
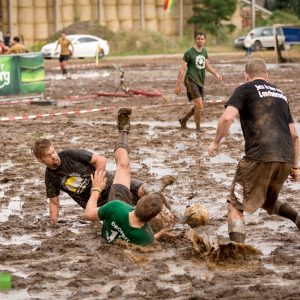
point(200, 39)
point(256, 68)
point(148, 207)
point(45, 153)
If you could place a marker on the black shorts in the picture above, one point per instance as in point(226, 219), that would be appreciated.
point(121, 192)
point(193, 90)
point(64, 58)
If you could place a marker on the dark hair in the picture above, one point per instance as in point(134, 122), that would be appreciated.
point(148, 207)
point(199, 33)
point(16, 39)
point(40, 146)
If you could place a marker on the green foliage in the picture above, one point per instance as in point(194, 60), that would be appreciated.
point(210, 14)
point(140, 42)
point(290, 6)
point(279, 17)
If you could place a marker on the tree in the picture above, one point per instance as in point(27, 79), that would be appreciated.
point(209, 14)
point(291, 6)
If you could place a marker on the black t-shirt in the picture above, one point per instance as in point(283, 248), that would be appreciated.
point(265, 117)
point(73, 176)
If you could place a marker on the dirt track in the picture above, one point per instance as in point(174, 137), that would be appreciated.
point(72, 261)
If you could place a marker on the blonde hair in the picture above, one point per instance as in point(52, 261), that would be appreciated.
point(256, 67)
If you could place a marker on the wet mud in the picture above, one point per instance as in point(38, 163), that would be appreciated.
point(72, 261)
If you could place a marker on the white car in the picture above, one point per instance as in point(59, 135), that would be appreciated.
point(263, 37)
point(84, 46)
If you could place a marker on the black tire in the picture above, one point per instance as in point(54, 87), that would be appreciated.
point(257, 46)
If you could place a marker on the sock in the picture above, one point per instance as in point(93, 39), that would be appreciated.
point(122, 141)
point(236, 229)
point(283, 209)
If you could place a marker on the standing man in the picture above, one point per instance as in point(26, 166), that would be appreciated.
point(65, 53)
point(195, 62)
point(248, 44)
point(120, 219)
point(271, 149)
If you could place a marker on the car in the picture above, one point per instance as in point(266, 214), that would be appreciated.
point(264, 37)
point(239, 41)
point(84, 46)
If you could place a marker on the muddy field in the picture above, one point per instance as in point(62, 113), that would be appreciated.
point(71, 261)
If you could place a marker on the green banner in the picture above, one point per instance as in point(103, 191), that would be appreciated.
point(22, 74)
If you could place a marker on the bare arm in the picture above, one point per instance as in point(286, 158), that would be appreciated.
point(54, 210)
point(211, 70)
point(99, 161)
point(98, 184)
point(224, 124)
point(72, 53)
point(295, 173)
point(56, 45)
point(179, 77)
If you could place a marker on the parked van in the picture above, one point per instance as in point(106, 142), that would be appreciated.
point(264, 37)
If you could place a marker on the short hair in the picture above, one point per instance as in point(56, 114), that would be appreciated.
point(199, 33)
point(256, 67)
point(40, 146)
point(16, 39)
point(148, 207)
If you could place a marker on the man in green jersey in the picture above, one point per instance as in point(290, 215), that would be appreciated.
point(120, 219)
point(195, 62)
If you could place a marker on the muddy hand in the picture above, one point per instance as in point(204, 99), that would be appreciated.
point(294, 174)
point(212, 148)
point(164, 233)
point(98, 179)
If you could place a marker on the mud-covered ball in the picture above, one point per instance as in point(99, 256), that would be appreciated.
point(196, 215)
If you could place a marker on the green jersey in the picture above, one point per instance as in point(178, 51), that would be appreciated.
point(115, 216)
point(196, 65)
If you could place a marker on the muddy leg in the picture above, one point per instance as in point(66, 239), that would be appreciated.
point(236, 225)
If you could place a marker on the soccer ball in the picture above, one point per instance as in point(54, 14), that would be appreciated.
point(196, 215)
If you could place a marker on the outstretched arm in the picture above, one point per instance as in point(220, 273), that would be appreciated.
point(179, 77)
point(211, 70)
point(164, 233)
point(54, 210)
point(295, 170)
point(223, 126)
point(98, 184)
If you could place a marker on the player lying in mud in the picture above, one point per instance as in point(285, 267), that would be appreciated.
point(120, 219)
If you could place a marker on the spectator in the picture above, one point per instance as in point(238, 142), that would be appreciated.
point(17, 47)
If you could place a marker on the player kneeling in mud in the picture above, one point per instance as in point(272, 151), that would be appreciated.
point(120, 219)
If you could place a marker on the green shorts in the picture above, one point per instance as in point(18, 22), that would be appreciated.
point(257, 184)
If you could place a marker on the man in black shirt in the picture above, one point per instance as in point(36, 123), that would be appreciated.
point(70, 171)
point(271, 149)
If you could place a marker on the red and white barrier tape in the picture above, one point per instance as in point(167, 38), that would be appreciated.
point(91, 110)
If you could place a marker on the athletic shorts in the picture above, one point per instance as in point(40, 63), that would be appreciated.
point(193, 90)
point(121, 192)
point(64, 58)
point(257, 184)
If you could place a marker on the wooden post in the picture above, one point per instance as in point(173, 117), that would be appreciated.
point(181, 19)
point(56, 14)
point(253, 13)
point(142, 14)
point(10, 17)
point(99, 6)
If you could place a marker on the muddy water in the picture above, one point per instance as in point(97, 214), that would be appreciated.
point(71, 261)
